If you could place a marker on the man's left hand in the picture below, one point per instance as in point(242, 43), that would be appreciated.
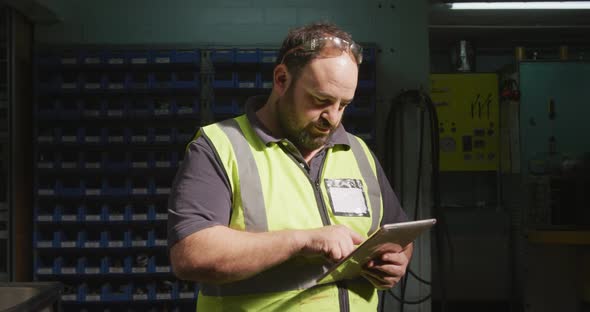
point(387, 268)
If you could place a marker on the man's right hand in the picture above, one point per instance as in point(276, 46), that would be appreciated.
point(334, 242)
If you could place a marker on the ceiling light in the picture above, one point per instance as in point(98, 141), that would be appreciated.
point(549, 5)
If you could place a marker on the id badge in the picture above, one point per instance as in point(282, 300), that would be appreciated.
point(347, 197)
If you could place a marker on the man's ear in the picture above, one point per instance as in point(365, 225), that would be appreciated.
point(281, 79)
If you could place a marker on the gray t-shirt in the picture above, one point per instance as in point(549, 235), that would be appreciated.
point(201, 194)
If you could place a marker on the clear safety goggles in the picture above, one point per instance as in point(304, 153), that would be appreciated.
point(328, 47)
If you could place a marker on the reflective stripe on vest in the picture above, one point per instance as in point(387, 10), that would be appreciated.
point(250, 186)
point(371, 180)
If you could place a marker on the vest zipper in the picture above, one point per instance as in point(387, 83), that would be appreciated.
point(316, 186)
point(343, 299)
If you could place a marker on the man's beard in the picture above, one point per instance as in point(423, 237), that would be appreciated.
point(302, 136)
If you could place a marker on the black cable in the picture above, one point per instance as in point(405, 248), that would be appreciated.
point(441, 231)
point(404, 98)
point(421, 280)
point(419, 301)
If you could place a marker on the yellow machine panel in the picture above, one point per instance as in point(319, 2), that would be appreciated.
point(468, 114)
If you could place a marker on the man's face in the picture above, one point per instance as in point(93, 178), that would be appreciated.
point(312, 107)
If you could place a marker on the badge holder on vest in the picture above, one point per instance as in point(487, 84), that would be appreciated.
point(410, 101)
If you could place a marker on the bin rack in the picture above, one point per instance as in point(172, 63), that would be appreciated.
point(70, 187)
point(84, 266)
point(114, 187)
point(248, 80)
point(245, 56)
point(187, 56)
point(68, 108)
point(93, 212)
point(138, 238)
point(137, 58)
point(45, 265)
point(114, 265)
point(166, 290)
point(93, 107)
point(68, 160)
point(117, 135)
point(117, 160)
point(92, 57)
point(69, 266)
point(161, 57)
point(46, 187)
point(224, 105)
point(164, 135)
point(181, 56)
point(68, 239)
point(69, 135)
point(115, 58)
point(92, 82)
point(47, 108)
point(70, 212)
point(110, 293)
point(45, 239)
point(92, 194)
point(46, 135)
point(266, 80)
point(116, 81)
point(93, 135)
point(161, 80)
point(90, 293)
point(268, 57)
point(69, 58)
point(46, 160)
point(139, 80)
point(225, 79)
point(46, 213)
point(116, 108)
point(163, 107)
point(140, 107)
point(68, 82)
point(186, 105)
point(119, 213)
point(223, 55)
point(141, 159)
point(116, 238)
point(139, 135)
point(185, 80)
point(187, 290)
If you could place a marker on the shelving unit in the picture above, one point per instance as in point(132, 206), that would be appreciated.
point(111, 129)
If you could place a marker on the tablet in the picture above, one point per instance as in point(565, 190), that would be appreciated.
point(396, 233)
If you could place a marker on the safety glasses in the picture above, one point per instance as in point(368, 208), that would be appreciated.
point(328, 47)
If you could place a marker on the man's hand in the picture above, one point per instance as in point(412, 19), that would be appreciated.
point(335, 242)
point(388, 266)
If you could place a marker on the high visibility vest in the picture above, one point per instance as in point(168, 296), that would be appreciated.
point(271, 191)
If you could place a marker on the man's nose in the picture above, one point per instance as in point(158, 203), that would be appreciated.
point(332, 113)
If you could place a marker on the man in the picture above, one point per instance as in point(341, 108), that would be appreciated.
point(265, 202)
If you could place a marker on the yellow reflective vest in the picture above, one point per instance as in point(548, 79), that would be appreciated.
point(270, 192)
